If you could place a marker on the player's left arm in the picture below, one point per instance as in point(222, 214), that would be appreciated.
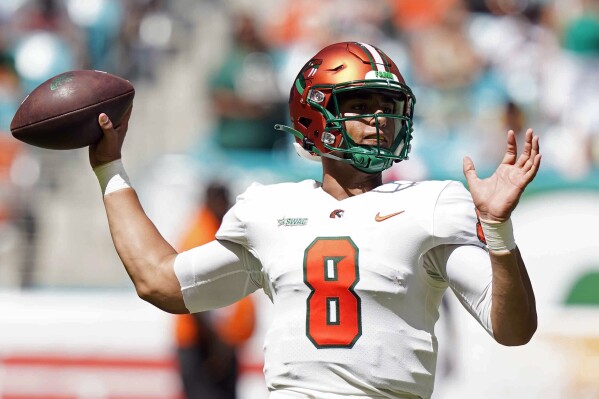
point(513, 310)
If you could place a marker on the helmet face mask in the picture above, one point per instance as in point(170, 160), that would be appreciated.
point(344, 71)
point(372, 158)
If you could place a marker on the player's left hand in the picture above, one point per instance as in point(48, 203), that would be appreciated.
point(496, 197)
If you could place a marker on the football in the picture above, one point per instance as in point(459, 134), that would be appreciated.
point(62, 113)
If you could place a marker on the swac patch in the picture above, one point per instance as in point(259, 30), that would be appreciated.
point(290, 222)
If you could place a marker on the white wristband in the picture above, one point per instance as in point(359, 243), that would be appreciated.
point(112, 177)
point(499, 235)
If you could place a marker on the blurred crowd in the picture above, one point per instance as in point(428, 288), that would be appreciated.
point(477, 68)
point(40, 39)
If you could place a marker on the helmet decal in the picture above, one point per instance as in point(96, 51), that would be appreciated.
point(307, 73)
point(313, 67)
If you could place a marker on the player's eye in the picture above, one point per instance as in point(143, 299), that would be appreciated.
point(359, 107)
point(355, 107)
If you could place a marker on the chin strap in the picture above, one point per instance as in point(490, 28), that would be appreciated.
point(308, 145)
point(290, 130)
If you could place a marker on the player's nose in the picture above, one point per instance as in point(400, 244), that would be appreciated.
point(378, 119)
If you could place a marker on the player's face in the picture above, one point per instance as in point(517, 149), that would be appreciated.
point(364, 130)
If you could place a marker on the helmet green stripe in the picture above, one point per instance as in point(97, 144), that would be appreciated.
point(300, 85)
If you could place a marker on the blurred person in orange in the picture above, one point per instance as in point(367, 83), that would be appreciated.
point(9, 151)
point(417, 14)
point(208, 342)
point(19, 172)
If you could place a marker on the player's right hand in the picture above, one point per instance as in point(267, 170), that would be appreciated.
point(108, 148)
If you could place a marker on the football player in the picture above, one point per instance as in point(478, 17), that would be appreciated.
point(355, 268)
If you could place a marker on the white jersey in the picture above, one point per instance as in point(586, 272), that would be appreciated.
point(356, 284)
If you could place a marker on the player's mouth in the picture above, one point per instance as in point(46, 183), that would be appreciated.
point(374, 140)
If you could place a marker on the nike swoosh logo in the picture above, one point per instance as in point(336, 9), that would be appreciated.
point(380, 218)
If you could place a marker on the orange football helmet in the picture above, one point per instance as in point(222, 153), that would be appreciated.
point(318, 125)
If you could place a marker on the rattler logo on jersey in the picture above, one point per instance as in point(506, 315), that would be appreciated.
point(337, 213)
point(290, 222)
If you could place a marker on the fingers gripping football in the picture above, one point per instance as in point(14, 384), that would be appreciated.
point(109, 147)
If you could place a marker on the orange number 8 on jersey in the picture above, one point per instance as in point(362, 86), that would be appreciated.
point(333, 317)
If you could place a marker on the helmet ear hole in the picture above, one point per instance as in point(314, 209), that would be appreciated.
point(305, 122)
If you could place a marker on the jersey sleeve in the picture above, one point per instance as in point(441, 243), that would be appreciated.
point(234, 225)
point(459, 257)
point(467, 271)
point(216, 274)
point(454, 217)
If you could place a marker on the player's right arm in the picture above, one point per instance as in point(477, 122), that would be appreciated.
point(146, 255)
point(193, 281)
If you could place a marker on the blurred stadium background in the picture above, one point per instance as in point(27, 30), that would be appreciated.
point(71, 326)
